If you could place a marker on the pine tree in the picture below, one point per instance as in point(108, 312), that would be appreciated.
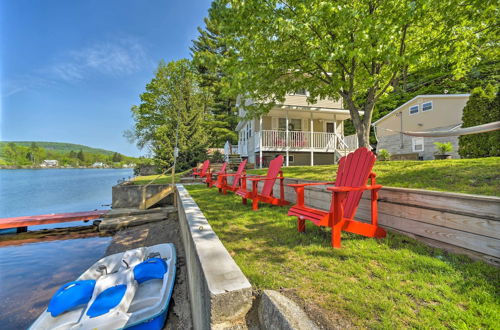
point(116, 158)
point(207, 51)
point(81, 155)
point(483, 107)
point(173, 99)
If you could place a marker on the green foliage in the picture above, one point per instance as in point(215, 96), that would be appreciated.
point(174, 101)
point(217, 157)
point(80, 155)
point(443, 148)
point(383, 154)
point(438, 80)
point(207, 50)
point(357, 50)
point(391, 283)
point(61, 147)
point(116, 157)
point(483, 107)
point(31, 154)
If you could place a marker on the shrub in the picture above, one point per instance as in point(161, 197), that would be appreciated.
point(217, 157)
point(483, 107)
point(383, 154)
point(443, 148)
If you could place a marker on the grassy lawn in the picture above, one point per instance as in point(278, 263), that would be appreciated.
point(390, 283)
point(472, 176)
point(161, 180)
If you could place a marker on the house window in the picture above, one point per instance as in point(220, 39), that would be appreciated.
point(293, 124)
point(301, 91)
point(427, 106)
point(418, 144)
point(413, 109)
point(290, 159)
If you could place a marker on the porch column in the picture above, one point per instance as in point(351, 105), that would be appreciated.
point(311, 128)
point(260, 141)
point(287, 139)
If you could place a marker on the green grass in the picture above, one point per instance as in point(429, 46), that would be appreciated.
point(471, 176)
point(394, 282)
point(145, 179)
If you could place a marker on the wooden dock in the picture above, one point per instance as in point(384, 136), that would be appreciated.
point(44, 219)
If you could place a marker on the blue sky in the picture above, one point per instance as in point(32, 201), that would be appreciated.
point(71, 70)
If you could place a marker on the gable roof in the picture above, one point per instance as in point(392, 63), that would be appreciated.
point(419, 96)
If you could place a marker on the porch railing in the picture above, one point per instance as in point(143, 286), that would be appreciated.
point(299, 140)
point(351, 141)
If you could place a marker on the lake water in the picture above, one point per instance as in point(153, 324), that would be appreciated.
point(31, 273)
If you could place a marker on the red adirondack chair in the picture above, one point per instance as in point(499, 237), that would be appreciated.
point(201, 172)
point(352, 175)
point(266, 194)
point(209, 180)
point(222, 179)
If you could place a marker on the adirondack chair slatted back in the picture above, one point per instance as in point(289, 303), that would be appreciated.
point(240, 170)
point(272, 172)
point(353, 171)
point(204, 168)
point(223, 168)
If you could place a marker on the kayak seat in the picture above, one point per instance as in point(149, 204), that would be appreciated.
point(150, 269)
point(71, 295)
point(107, 300)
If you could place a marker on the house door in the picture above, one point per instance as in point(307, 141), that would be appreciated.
point(330, 127)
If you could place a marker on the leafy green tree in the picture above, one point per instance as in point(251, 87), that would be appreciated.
point(483, 107)
point(207, 50)
point(173, 99)
point(356, 50)
point(72, 154)
point(81, 156)
point(116, 158)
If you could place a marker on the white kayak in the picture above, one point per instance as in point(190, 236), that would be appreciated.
point(129, 290)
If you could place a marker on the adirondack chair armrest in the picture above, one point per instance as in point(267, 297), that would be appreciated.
point(296, 185)
point(348, 189)
point(260, 179)
point(227, 174)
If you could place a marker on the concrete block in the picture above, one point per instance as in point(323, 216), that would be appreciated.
point(277, 312)
point(219, 291)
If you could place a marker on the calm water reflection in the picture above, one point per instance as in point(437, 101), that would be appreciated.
point(31, 273)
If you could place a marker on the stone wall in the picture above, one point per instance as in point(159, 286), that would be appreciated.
point(127, 195)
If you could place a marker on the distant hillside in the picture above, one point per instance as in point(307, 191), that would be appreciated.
point(31, 154)
point(61, 146)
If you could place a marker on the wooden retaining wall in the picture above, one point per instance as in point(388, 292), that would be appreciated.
point(460, 223)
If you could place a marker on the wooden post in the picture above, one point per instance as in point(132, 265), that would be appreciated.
point(260, 141)
point(287, 140)
point(311, 128)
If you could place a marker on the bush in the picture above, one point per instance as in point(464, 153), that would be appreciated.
point(443, 148)
point(383, 154)
point(217, 157)
point(483, 107)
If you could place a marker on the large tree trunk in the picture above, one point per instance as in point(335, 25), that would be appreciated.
point(362, 124)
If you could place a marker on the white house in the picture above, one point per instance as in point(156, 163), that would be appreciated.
point(306, 134)
point(49, 163)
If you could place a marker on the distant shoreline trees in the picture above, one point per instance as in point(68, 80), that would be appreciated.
point(18, 155)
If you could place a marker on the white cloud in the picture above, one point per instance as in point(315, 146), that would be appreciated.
point(117, 58)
